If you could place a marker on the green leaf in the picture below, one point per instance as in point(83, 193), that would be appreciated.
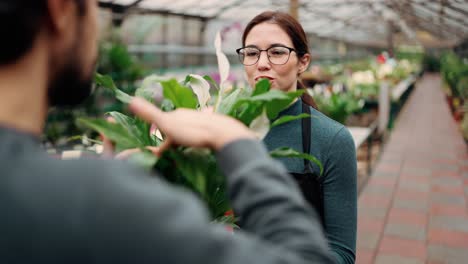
point(261, 87)
point(144, 159)
point(147, 94)
point(270, 96)
point(275, 106)
point(181, 97)
point(192, 163)
point(275, 101)
point(138, 128)
point(197, 170)
point(123, 97)
point(228, 102)
point(167, 105)
point(127, 122)
point(107, 82)
point(250, 111)
point(150, 88)
point(187, 80)
point(113, 131)
point(144, 130)
point(210, 80)
point(262, 98)
point(288, 118)
point(291, 153)
point(228, 220)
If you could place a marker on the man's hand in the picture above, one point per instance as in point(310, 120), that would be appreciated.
point(192, 128)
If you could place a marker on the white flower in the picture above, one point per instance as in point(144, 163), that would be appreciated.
point(223, 62)
point(384, 70)
point(337, 88)
point(223, 67)
point(260, 125)
point(405, 65)
point(201, 88)
point(363, 77)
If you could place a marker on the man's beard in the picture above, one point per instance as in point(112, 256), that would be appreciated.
point(70, 86)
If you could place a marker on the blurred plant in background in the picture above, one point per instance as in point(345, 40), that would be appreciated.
point(345, 89)
point(335, 102)
point(431, 63)
point(454, 71)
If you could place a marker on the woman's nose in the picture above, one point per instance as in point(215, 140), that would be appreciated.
point(263, 61)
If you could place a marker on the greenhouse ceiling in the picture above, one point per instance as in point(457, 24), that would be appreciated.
point(431, 23)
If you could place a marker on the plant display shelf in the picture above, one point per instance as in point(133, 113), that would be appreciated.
point(361, 135)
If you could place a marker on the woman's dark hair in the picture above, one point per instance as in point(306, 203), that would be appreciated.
point(20, 22)
point(294, 30)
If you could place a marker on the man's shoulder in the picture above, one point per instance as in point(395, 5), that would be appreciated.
point(39, 181)
point(44, 166)
point(40, 173)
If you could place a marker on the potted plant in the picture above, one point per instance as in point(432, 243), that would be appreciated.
point(195, 168)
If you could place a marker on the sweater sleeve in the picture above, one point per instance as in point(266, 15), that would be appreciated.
point(145, 220)
point(340, 197)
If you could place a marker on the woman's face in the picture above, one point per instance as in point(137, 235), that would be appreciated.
point(282, 77)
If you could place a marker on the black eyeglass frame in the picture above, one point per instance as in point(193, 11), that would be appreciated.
point(260, 52)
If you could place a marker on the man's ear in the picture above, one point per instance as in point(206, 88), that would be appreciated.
point(61, 15)
point(304, 62)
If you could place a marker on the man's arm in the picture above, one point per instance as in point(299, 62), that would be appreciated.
point(155, 223)
point(144, 220)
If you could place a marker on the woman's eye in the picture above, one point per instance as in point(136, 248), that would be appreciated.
point(277, 52)
point(251, 53)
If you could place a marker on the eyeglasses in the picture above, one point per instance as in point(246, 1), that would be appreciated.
point(278, 55)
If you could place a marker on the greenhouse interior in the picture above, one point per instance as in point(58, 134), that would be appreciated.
point(389, 77)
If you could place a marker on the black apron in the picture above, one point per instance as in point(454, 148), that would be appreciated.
point(309, 182)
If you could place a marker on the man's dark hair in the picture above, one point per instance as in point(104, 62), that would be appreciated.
point(20, 22)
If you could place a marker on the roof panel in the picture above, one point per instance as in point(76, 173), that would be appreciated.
point(347, 19)
point(121, 2)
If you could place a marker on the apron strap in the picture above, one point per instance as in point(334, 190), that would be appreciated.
point(309, 182)
point(306, 135)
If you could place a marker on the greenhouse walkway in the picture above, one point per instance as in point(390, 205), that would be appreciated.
point(414, 207)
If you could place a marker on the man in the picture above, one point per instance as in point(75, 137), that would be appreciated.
point(105, 212)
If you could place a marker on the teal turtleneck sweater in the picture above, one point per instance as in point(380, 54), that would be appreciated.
point(333, 145)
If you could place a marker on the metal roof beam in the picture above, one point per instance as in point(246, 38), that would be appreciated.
point(457, 9)
point(346, 21)
point(118, 8)
point(224, 8)
point(444, 27)
point(166, 12)
point(457, 20)
point(414, 14)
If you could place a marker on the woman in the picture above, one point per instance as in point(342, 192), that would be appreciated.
point(275, 47)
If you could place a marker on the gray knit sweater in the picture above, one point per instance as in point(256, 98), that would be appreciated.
point(92, 211)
